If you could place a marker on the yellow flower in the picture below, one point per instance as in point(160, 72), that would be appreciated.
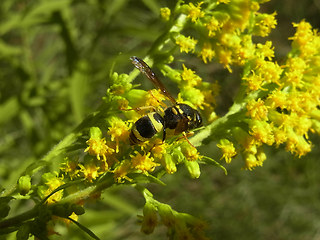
point(225, 57)
point(213, 26)
point(154, 98)
point(246, 51)
point(97, 147)
point(305, 39)
point(270, 71)
point(145, 163)
point(190, 152)
point(73, 216)
point(159, 148)
point(250, 161)
point(257, 109)
point(207, 53)
point(190, 77)
point(277, 99)
point(250, 144)
point(195, 12)
point(186, 44)
point(118, 131)
point(297, 144)
point(295, 99)
point(193, 96)
point(264, 24)
point(280, 119)
point(301, 124)
point(121, 171)
point(303, 33)
point(70, 167)
point(261, 131)
point(227, 149)
point(254, 160)
point(90, 171)
point(209, 98)
point(295, 71)
point(165, 13)
point(52, 181)
point(280, 136)
point(265, 50)
point(253, 81)
point(231, 40)
point(261, 156)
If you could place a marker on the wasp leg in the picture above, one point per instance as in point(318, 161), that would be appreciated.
point(184, 135)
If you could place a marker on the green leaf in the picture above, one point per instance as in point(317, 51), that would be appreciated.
point(141, 178)
point(209, 160)
point(42, 12)
point(33, 167)
point(153, 6)
point(4, 206)
point(85, 229)
point(114, 7)
point(118, 203)
point(23, 232)
point(78, 89)
point(7, 50)
point(8, 110)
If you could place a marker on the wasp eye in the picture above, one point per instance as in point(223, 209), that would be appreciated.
point(198, 119)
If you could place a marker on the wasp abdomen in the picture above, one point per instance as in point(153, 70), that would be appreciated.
point(146, 127)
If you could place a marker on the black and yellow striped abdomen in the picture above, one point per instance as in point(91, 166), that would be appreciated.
point(146, 127)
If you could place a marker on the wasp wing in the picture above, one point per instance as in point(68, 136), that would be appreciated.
point(146, 70)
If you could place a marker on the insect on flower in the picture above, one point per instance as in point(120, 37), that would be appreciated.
point(179, 117)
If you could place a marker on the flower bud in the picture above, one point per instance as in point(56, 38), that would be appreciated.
point(136, 97)
point(169, 164)
point(166, 215)
point(24, 184)
point(150, 219)
point(193, 168)
point(95, 132)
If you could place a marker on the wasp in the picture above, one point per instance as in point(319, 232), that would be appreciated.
point(179, 117)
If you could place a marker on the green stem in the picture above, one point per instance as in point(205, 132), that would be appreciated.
point(220, 126)
point(19, 219)
point(86, 230)
point(75, 197)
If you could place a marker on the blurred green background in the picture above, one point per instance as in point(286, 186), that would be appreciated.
point(56, 58)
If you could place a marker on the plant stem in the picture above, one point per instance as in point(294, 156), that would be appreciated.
point(19, 219)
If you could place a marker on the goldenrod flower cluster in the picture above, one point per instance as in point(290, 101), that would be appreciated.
point(277, 104)
point(281, 111)
point(279, 101)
